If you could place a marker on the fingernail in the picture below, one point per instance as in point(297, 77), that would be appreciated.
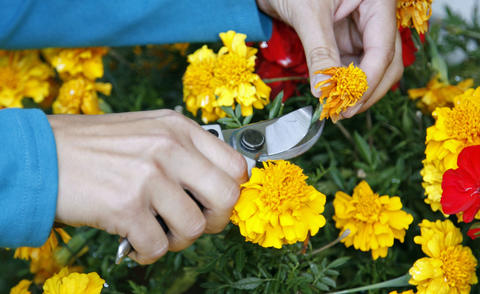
point(317, 79)
point(351, 111)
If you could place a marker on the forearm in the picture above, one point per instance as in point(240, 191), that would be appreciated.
point(28, 178)
point(38, 24)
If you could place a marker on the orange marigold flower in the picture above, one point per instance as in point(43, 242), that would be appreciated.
point(22, 287)
point(344, 89)
point(414, 13)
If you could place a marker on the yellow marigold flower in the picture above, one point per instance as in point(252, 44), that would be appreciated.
point(414, 13)
point(22, 287)
point(374, 221)
point(404, 292)
point(454, 129)
point(71, 63)
point(23, 74)
point(73, 283)
point(214, 80)
point(344, 89)
point(276, 206)
point(80, 96)
point(438, 94)
point(449, 267)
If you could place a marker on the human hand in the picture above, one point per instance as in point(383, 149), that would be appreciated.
point(117, 171)
point(336, 32)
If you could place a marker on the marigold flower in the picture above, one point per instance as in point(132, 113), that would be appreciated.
point(73, 283)
point(449, 267)
point(461, 187)
point(344, 89)
point(438, 94)
point(22, 287)
point(71, 63)
point(23, 74)
point(79, 95)
point(404, 292)
point(454, 129)
point(276, 206)
point(414, 13)
point(42, 262)
point(214, 80)
point(374, 221)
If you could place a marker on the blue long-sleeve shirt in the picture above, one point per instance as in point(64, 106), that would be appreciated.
point(28, 159)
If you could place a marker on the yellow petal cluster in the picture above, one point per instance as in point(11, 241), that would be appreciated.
point(343, 89)
point(374, 221)
point(449, 267)
point(73, 283)
point(22, 287)
point(42, 262)
point(224, 79)
point(454, 129)
point(414, 13)
point(76, 62)
point(23, 74)
point(404, 292)
point(79, 95)
point(438, 94)
point(276, 206)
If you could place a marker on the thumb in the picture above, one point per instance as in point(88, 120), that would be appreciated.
point(314, 26)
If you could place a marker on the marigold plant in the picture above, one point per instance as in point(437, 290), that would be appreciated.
point(276, 206)
point(374, 221)
point(343, 89)
point(449, 267)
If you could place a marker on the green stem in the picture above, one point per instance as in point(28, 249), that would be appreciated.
point(283, 79)
point(401, 281)
point(334, 242)
point(65, 254)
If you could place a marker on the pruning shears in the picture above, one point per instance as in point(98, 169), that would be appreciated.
point(284, 137)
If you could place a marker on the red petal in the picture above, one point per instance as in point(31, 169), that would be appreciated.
point(457, 193)
point(469, 161)
point(474, 233)
point(408, 47)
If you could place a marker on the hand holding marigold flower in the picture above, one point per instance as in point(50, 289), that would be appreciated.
point(461, 187)
point(374, 221)
point(449, 267)
point(276, 206)
point(343, 89)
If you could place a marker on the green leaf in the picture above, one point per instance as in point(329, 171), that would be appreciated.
point(438, 62)
point(329, 281)
point(321, 286)
point(363, 148)
point(338, 262)
point(239, 260)
point(277, 102)
point(247, 120)
point(247, 283)
point(238, 111)
point(228, 111)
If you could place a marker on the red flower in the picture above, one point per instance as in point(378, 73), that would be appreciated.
point(282, 56)
point(474, 233)
point(408, 47)
point(461, 186)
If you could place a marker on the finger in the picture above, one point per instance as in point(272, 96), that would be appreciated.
point(379, 31)
point(210, 185)
point(220, 154)
point(392, 75)
point(181, 215)
point(147, 239)
point(318, 39)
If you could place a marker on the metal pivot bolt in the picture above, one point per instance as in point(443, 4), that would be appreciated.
point(252, 140)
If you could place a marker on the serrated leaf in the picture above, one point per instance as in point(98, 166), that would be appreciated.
point(337, 178)
point(277, 102)
point(321, 286)
point(363, 148)
point(225, 120)
point(247, 283)
point(247, 119)
point(314, 269)
point(239, 260)
point(338, 262)
point(238, 110)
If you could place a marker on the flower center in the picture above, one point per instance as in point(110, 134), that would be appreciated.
point(458, 265)
point(233, 70)
point(464, 122)
point(367, 207)
point(351, 82)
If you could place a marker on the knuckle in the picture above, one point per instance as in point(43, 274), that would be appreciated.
point(196, 229)
point(238, 166)
point(322, 56)
point(230, 194)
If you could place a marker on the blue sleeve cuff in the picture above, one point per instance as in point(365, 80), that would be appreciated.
point(28, 178)
point(58, 23)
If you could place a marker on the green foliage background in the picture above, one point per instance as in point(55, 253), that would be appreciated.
point(384, 146)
